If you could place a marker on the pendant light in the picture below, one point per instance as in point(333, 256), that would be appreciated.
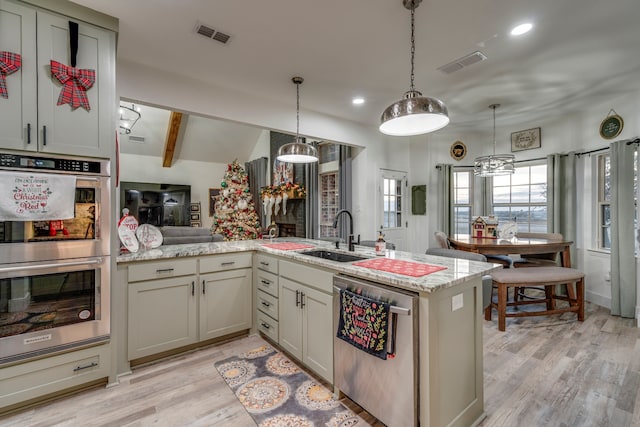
point(495, 164)
point(297, 151)
point(414, 114)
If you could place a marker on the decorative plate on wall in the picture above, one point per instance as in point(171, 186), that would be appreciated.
point(458, 150)
point(611, 126)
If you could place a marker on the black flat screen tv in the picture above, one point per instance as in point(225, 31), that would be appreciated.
point(157, 204)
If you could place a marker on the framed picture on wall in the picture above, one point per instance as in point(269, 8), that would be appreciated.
point(214, 194)
point(196, 224)
point(282, 173)
point(195, 207)
point(525, 139)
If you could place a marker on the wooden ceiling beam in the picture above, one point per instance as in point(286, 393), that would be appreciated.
point(172, 137)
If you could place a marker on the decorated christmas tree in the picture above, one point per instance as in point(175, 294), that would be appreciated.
point(235, 216)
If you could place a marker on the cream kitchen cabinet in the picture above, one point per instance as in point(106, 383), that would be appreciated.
point(225, 295)
point(30, 118)
point(305, 316)
point(178, 302)
point(33, 380)
point(266, 295)
point(162, 312)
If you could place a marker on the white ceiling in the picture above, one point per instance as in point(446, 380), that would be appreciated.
point(579, 50)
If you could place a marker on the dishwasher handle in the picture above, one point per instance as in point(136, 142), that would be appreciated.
point(393, 309)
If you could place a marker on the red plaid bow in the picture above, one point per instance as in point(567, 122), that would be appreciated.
point(75, 84)
point(9, 63)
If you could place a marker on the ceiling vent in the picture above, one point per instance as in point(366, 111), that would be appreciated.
point(465, 61)
point(210, 33)
point(137, 139)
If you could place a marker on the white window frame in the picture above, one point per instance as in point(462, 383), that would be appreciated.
point(603, 199)
point(455, 198)
point(528, 205)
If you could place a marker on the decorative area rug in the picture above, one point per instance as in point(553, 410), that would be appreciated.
point(287, 246)
point(407, 268)
point(277, 393)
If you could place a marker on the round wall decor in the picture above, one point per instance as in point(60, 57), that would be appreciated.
point(611, 126)
point(458, 150)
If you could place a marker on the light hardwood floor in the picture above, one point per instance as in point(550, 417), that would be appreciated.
point(540, 372)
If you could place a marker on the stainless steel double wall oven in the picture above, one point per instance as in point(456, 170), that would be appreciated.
point(55, 274)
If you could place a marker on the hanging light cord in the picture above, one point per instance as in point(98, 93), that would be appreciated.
point(494, 128)
point(298, 111)
point(413, 41)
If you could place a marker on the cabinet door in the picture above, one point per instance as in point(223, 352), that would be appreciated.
point(317, 332)
point(62, 129)
point(162, 315)
point(18, 112)
point(225, 303)
point(290, 317)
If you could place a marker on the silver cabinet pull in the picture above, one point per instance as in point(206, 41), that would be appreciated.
point(80, 368)
point(164, 270)
point(265, 325)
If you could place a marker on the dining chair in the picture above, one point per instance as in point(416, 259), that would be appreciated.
point(487, 281)
point(538, 260)
point(442, 239)
point(535, 260)
point(505, 260)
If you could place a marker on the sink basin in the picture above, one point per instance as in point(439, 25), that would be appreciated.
point(333, 256)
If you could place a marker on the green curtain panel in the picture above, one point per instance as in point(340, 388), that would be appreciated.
point(445, 210)
point(623, 262)
point(562, 196)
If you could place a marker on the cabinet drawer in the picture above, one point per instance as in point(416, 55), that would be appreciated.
point(267, 282)
point(161, 269)
point(225, 262)
point(267, 263)
point(268, 304)
point(268, 326)
point(31, 380)
point(311, 276)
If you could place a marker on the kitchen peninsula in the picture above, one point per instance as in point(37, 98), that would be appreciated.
point(175, 297)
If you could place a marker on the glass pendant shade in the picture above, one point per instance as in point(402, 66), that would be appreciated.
point(297, 151)
point(494, 164)
point(414, 114)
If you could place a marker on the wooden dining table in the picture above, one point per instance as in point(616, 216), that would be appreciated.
point(522, 246)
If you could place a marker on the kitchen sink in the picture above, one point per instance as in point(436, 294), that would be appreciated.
point(333, 256)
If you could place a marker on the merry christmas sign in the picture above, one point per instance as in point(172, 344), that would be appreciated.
point(28, 197)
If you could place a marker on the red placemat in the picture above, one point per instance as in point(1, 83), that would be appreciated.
point(287, 246)
point(406, 268)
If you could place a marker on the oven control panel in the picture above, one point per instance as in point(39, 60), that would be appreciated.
point(48, 163)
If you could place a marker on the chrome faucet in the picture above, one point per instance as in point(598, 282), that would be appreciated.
point(350, 237)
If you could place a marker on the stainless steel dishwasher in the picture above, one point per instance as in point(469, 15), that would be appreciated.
point(387, 389)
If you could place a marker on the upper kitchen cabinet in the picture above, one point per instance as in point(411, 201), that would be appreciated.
point(30, 118)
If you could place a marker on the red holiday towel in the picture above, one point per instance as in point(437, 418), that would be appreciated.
point(407, 268)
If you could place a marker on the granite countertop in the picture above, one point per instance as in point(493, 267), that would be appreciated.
point(457, 271)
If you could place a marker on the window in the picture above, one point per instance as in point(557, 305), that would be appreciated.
point(522, 197)
point(392, 202)
point(462, 201)
point(604, 201)
point(329, 183)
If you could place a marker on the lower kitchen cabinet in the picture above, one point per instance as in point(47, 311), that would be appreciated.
point(305, 326)
point(225, 303)
point(39, 378)
point(162, 315)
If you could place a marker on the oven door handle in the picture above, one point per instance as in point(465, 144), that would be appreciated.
point(47, 266)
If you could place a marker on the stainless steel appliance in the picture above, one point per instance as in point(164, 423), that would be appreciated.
point(387, 389)
point(55, 274)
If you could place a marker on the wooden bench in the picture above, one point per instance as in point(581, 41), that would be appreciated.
point(547, 277)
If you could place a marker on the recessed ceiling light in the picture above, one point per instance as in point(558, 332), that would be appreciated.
point(358, 101)
point(522, 29)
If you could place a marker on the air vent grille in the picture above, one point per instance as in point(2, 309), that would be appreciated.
point(210, 33)
point(463, 62)
point(138, 139)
